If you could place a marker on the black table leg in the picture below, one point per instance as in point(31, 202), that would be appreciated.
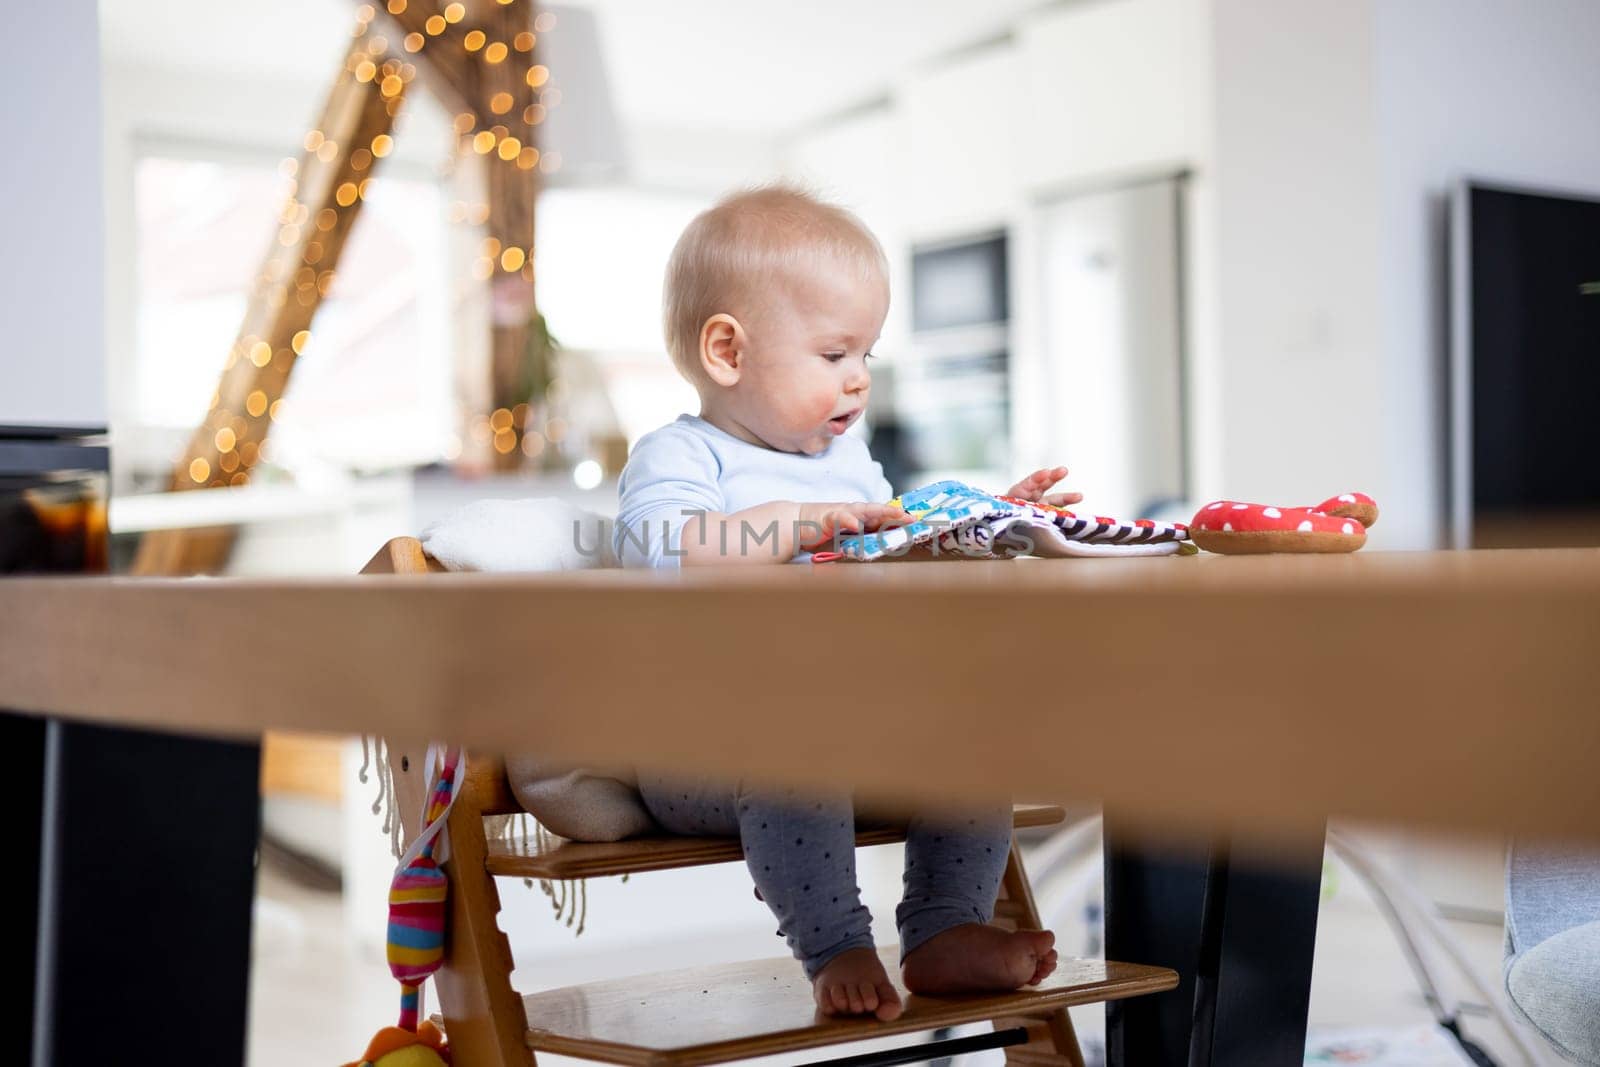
point(22, 740)
point(1153, 909)
point(147, 870)
point(1241, 935)
point(1258, 936)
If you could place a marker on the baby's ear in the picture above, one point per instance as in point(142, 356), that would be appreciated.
point(722, 349)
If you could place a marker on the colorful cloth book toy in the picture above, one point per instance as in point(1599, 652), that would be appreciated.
point(957, 520)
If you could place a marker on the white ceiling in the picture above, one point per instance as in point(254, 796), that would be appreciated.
point(754, 66)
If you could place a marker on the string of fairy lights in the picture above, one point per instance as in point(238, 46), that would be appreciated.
point(240, 438)
point(496, 141)
point(505, 429)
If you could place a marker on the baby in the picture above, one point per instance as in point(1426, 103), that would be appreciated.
point(773, 301)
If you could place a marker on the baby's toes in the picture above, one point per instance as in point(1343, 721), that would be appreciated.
point(868, 997)
point(889, 1007)
point(853, 998)
point(1046, 967)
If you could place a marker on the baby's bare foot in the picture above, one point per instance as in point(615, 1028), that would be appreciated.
point(975, 958)
point(855, 983)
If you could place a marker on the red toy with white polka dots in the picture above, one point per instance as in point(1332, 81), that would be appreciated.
point(1338, 524)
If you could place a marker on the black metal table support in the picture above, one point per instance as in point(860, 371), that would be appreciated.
point(942, 1049)
point(145, 873)
point(1152, 915)
point(1241, 935)
point(22, 740)
point(1258, 937)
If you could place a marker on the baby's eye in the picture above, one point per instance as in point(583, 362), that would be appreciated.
point(833, 357)
point(872, 355)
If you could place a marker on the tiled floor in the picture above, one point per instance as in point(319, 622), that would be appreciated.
point(317, 998)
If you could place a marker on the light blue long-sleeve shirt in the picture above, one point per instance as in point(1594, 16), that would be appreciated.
point(690, 466)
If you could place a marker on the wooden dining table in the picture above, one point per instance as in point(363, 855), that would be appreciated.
point(1226, 704)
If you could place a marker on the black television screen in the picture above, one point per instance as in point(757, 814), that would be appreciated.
point(1532, 361)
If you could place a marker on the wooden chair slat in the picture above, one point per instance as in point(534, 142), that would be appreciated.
point(402, 555)
point(736, 1011)
point(486, 783)
point(581, 859)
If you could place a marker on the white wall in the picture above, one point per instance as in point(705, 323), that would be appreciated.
point(1297, 249)
point(52, 370)
point(1496, 89)
point(960, 123)
point(1111, 88)
point(857, 161)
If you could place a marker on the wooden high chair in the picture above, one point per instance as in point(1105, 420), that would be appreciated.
point(760, 1008)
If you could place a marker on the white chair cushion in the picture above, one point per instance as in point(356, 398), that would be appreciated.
point(510, 536)
point(544, 534)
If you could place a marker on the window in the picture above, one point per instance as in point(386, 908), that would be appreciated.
point(372, 389)
point(602, 256)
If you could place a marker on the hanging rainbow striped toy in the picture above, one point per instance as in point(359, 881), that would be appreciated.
point(418, 896)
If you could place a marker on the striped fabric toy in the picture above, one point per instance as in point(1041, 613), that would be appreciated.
point(417, 898)
point(954, 519)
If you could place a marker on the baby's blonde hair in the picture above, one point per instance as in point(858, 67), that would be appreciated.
point(749, 242)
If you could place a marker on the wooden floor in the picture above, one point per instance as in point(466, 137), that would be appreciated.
point(581, 859)
point(737, 1011)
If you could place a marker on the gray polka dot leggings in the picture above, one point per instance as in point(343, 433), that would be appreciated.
point(801, 851)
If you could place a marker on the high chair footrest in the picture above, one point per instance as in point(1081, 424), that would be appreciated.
point(737, 1011)
point(583, 859)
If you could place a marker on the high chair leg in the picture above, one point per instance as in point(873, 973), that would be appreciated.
point(484, 1017)
point(1052, 1040)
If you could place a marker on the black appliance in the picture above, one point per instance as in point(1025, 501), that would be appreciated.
point(1526, 367)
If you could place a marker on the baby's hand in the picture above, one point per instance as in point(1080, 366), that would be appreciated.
point(820, 522)
point(1033, 487)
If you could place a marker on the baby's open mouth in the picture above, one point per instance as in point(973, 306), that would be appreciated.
point(841, 423)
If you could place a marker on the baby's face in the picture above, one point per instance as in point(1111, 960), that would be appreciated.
point(806, 380)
